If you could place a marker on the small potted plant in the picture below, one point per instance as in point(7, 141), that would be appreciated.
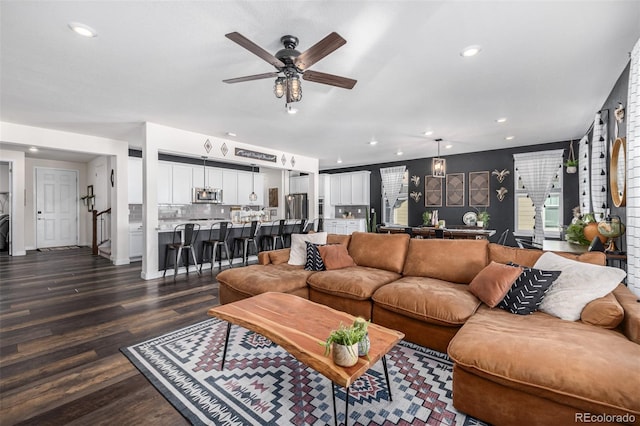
point(571, 165)
point(344, 344)
point(426, 218)
point(483, 219)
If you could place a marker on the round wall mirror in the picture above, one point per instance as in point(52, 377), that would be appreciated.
point(618, 172)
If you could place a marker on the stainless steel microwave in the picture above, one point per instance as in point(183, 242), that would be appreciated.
point(207, 195)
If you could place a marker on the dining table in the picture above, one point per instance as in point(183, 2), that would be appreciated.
point(470, 232)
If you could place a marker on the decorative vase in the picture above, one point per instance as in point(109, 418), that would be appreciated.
point(572, 169)
point(345, 356)
point(364, 345)
point(590, 231)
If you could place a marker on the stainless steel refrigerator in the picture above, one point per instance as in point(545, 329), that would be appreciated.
point(297, 206)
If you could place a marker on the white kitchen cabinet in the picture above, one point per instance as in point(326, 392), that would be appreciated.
point(164, 181)
point(344, 226)
point(334, 182)
point(182, 183)
point(135, 243)
point(134, 183)
point(214, 177)
point(298, 184)
point(356, 225)
point(345, 189)
point(248, 181)
point(360, 193)
point(259, 183)
point(229, 186)
point(197, 174)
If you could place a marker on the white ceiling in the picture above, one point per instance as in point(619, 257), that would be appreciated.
point(546, 66)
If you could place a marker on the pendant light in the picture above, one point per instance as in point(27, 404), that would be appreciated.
point(204, 176)
point(253, 197)
point(438, 165)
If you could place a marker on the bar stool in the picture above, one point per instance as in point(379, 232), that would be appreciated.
point(184, 237)
point(247, 235)
point(214, 243)
point(277, 232)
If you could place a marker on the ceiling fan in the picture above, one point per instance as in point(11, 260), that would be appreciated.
point(290, 64)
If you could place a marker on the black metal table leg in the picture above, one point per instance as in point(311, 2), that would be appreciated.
point(226, 343)
point(386, 375)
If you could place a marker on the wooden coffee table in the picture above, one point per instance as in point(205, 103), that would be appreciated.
point(299, 326)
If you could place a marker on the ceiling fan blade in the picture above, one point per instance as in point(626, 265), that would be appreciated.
point(255, 49)
point(330, 79)
point(251, 77)
point(319, 50)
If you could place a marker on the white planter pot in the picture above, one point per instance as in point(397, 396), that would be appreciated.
point(345, 356)
point(572, 169)
point(479, 224)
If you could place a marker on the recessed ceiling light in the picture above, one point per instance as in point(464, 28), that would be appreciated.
point(448, 146)
point(470, 51)
point(508, 138)
point(33, 149)
point(428, 133)
point(233, 135)
point(373, 142)
point(399, 153)
point(339, 161)
point(501, 120)
point(82, 29)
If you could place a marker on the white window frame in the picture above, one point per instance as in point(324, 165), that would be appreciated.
point(548, 232)
point(403, 197)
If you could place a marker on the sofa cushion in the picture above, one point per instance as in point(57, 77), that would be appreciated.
point(493, 282)
point(428, 299)
point(603, 312)
point(314, 260)
point(529, 257)
point(631, 304)
point(458, 261)
point(298, 255)
point(274, 256)
point(569, 362)
point(579, 284)
point(257, 279)
point(338, 239)
point(526, 293)
point(381, 251)
point(355, 282)
point(335, 256)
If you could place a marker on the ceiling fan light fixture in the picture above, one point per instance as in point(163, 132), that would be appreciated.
point(294, 88)
point(279, 87)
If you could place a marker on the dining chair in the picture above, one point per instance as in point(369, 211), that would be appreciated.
point(217, 240)
point(276, 233)
point(184, 237)
point(527, 244)
point(502, 240)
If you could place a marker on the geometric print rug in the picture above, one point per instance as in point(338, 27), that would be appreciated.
point(263, 385)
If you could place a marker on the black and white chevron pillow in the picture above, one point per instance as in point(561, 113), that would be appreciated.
point(314, 260)
point(527, 292)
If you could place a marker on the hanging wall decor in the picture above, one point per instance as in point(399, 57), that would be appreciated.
point(415, 180)
point(599, 166)
point(583, 175)
point(502, 192)
point(500, 175)
point(479, 189)
point(455, 189)
point(572, 162)
point(416, 196)
point(432, 191)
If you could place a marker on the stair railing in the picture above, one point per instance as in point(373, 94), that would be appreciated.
point(101, 229)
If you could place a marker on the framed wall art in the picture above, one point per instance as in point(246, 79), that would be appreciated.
point(432, 191)
point(455, 190)
point(479, 189)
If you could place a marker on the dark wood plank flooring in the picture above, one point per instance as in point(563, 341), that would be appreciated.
point(64, 315)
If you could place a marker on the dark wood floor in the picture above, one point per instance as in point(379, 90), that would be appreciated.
point(64, 315)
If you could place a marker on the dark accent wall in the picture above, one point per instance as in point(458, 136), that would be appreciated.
point(502, 213)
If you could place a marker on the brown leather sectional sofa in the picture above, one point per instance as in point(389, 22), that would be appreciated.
point(508, 369)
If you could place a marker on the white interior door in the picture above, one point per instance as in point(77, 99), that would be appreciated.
point(56, 207)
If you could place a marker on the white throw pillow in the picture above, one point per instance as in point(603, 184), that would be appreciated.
point(578, 284)
point(298, 254)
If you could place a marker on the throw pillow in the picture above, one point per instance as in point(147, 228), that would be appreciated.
point(298, 254)
point(335, 256)
point(314, 260)
point(605, 312)
point(579, 284)
point(492, 283)
point(526, 294)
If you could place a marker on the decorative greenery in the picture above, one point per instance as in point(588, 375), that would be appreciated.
point(571, 163)
point(575, 231)
point(426, 218)
point(346, 336)
point(483, 216)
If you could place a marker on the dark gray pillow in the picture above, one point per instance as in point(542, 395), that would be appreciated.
point(527, 292)
point(314, 260)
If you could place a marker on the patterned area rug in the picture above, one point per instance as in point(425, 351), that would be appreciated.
point(263, 385)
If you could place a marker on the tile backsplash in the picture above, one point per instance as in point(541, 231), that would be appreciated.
point(356, 212)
